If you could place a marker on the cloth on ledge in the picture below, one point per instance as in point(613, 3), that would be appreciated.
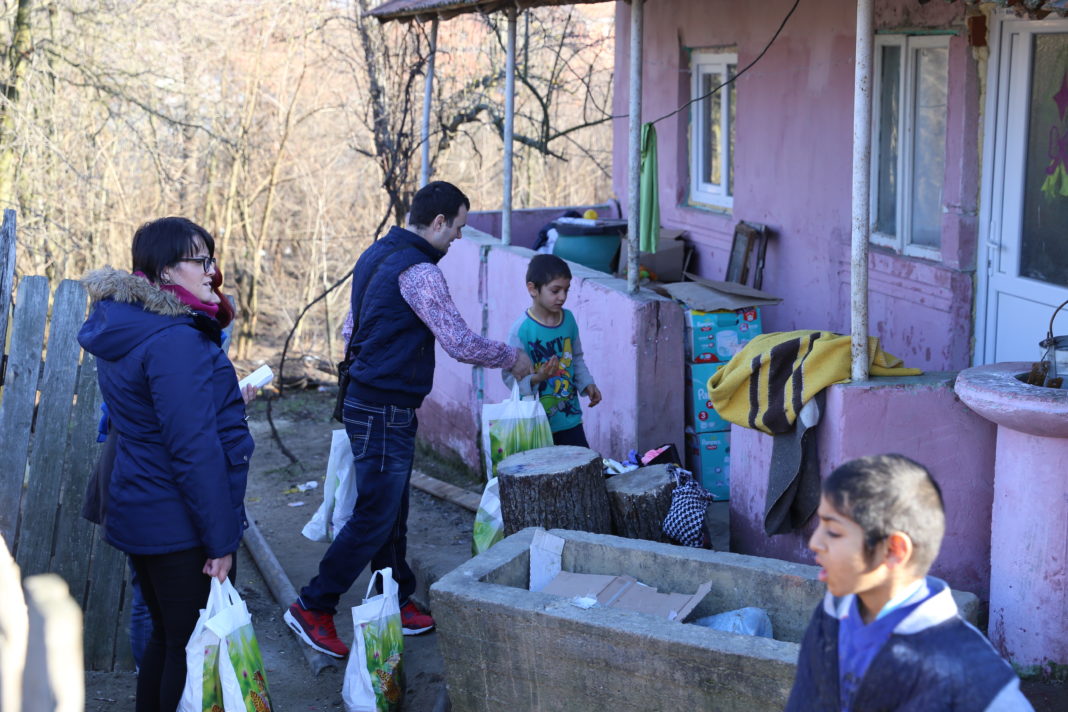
point(794, 474)
point(766, 383)
point(778, 380)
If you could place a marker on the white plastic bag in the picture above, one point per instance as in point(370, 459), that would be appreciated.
point(203, 690)
point(746, 621)
point(489, 523)
point(374, 674)
point(241, 671)
point(511, 426)
point(339, 492)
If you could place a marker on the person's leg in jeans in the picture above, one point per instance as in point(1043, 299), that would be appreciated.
point(140, 618)
point(175, 589)
point(571, 436)
point(383, 445)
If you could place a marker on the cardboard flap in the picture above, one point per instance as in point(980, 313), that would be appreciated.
point(570, 584)
point(711, 295)
point(696, 598)
point(545, 552)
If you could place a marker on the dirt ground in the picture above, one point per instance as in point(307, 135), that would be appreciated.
point(439, 538)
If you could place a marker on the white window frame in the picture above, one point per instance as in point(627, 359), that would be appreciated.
point(901, 241)
point(720, 195)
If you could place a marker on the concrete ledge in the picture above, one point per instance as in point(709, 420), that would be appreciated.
point(507, 648)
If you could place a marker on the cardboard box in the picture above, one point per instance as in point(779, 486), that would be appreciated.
point(710, 461)
point(624, 593)
point(667, 264)
point(703, 418)
point(714, 337)
point(620, 591)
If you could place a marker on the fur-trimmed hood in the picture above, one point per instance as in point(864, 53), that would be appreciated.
point(121, 286)
point(127, 309)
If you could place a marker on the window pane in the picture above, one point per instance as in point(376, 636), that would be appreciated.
point(732, 102)
point(711, 115)
point(887, 141)
point(1044, 249)
point(929, 145)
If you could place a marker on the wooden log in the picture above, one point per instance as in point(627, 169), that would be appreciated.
point(554, 487)
point(639, 501)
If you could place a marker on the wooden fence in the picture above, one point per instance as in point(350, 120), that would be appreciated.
point(49, 409)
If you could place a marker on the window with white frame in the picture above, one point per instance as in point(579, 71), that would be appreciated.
point(712, 129)
point(909, 142)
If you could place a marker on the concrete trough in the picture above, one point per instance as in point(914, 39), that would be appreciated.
point(508, 648)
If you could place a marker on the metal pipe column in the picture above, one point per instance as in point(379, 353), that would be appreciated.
point(634, 147)
point(861, 230)
point(509, 119)
point(428, 95)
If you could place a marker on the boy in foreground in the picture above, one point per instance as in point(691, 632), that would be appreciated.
point(887, 636)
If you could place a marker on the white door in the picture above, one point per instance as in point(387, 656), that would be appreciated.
point(1025, 191)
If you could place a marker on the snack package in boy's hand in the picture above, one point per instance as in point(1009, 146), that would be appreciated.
point(511, 426)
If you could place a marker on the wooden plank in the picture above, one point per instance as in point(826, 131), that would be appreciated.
point(7, 276)
point(20, 391)
point(103, 606)
point(33, 551)
point(14, 629)
point(446, 491)
point(75, 535)
point(124, 660)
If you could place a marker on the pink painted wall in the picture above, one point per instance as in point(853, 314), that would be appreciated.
point(633, 347)
point(917, 417)
point(793, 164)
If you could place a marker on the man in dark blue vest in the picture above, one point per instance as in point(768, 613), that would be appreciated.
point(400, 306)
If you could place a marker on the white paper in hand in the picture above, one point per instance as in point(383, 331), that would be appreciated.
point(258, 378)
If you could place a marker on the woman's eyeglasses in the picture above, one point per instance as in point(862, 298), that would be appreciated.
point(208, 263)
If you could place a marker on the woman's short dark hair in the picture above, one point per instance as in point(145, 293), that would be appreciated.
point(161, 243)
point(891, 493)
point(545, 268)
point(436, 198)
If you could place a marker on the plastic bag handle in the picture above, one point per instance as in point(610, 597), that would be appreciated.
point(515, 392)
point(381, 573)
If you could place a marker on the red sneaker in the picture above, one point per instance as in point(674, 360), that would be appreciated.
point(414, 621)
point(316, 628)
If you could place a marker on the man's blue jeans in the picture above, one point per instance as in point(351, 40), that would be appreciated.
point(383, 445)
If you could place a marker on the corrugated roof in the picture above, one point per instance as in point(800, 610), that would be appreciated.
point(1028, 8)
point(444, 9)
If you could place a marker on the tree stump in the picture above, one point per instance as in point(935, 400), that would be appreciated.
point(559, 487)
point(639, 501)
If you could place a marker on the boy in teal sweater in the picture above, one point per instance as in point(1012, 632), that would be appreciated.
point(549, 335)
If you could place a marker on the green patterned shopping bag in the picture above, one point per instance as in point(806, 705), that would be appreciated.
point(374, 675)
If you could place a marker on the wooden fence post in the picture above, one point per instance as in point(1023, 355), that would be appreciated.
point(7, 278)
point(20, 393)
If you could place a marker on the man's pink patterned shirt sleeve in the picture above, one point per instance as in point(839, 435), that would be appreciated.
point(423, 286)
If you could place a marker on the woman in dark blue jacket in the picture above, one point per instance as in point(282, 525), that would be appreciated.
point(175, 499)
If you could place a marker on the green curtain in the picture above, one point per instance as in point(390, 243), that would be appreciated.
point(649, 192)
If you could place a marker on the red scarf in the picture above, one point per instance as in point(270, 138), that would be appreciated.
point(221, 312)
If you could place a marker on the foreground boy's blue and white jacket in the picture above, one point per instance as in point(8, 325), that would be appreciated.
point(933, 661)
